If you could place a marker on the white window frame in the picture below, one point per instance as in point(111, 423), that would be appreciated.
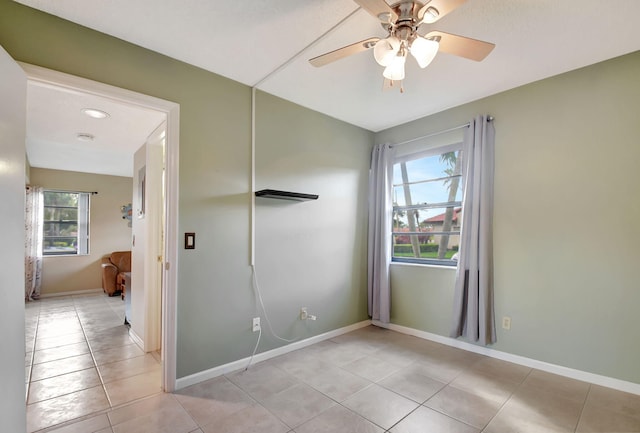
point(430, 152)
point(83, 223)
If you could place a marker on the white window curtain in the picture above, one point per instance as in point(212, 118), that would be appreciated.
point(379, 246)
point(473, 316)
point(34, 216)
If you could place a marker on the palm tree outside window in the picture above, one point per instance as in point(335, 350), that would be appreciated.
point(427, 207)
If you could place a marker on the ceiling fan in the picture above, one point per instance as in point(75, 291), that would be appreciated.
point(401, 20)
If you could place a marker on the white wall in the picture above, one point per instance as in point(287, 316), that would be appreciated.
point(13, 95)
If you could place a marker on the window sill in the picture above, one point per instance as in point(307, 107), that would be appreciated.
point(424, 265)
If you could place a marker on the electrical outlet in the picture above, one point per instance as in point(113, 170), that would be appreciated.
point(304, 315)
point(506, 323)
point(256, 324)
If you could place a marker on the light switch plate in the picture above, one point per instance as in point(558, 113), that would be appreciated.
point(189, 241)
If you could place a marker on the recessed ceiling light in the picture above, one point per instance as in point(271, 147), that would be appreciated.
point(85, 136)
point(95, 113)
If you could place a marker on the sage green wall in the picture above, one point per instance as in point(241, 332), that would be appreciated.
point(215, 297)
point(108, 231)
point(566, 221)
point(311, 253)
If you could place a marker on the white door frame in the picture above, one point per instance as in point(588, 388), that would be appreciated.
point(172, 110)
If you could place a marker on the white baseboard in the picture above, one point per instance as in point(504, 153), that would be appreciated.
point(201, 376)
point(572, 373)
point(136, 338)
point(71, 293)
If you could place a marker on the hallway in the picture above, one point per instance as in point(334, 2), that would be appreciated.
point(80, 359)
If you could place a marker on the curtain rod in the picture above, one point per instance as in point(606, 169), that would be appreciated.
point(433, 134)
point(66, 190)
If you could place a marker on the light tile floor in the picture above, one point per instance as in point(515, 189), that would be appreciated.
point(368, 381)
point(80, 360)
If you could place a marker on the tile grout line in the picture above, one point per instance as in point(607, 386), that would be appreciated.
point(584, 405)
point(200, 426)
point(522, 385)
point(507, 400)
point(95, 364)
point(446, 384)
point(399, 421)
point(33, 355)
point(397, 393)
point(33, 358)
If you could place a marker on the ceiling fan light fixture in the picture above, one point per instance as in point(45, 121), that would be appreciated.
point(424, 50)
point(395, 70)
point(385, 50)
point(431, 15)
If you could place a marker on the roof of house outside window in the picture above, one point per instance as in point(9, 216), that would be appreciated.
point(440, 218)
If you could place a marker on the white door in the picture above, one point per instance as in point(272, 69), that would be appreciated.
point(13, 102)
point(147, 250)
point(155, 236)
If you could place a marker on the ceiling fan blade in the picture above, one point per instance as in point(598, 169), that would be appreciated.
point(442, 6)
point(462, 46)
point(379, 9)
point(343, 52)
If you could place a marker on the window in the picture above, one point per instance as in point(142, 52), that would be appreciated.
point(427, 206)
point(66, 223)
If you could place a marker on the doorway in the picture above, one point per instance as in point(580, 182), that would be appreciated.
point(166, 259)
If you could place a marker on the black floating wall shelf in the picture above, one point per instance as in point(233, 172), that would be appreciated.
point(285, 195)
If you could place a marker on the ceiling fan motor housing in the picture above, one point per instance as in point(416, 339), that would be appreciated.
point(406, 26)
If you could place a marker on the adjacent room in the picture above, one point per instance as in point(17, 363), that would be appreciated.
point(94, 207)
point(318, 241)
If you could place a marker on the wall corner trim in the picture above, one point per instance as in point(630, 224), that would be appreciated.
point(596, 379)
point(211, 373)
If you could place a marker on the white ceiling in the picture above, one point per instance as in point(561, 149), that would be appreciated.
point(268, 43)
point(55, 118)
